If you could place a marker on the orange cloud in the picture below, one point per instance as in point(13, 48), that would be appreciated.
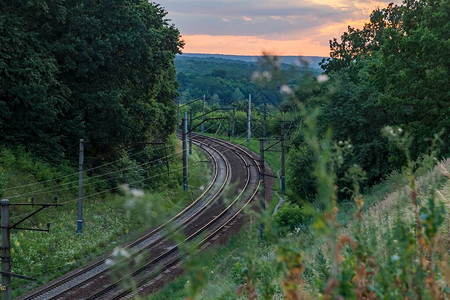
point(305, 31)
point(251, 45)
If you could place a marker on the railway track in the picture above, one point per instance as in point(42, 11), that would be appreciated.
point(207, 216)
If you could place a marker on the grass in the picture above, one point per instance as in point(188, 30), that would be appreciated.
point(108, 219)
point(244, 252)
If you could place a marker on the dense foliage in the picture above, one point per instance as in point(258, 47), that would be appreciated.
point(98, 70)
point(394, 71)
point(224, 80)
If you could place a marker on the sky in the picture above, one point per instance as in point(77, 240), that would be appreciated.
point(279, 27)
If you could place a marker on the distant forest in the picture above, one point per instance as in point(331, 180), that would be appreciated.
point(224, 80)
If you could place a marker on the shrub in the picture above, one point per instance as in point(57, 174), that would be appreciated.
point(290, 216)
point(7, 158)
point(238, 273)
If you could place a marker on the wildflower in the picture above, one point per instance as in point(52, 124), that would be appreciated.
point(125, 188)
point(284, 89)
point(137, 193)
point(395, 258)
point(322, 78)
point(256, 75)
point(124, 253)
point(201, 188)
point(109, 262)
point(17, 243)
point(400, 130)
point(266, 75)
point(130, 204)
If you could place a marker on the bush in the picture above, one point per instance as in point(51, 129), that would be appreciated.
point(290, 217)
point(238, 273)
point(300, 178)
point(7, 158)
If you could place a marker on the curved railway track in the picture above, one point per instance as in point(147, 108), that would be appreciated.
point(201, 222)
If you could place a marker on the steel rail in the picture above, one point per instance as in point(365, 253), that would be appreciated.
point(99, 263)
point(173, 249)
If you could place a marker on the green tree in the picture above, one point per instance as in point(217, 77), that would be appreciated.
point(99, 70)
point(32, 99)
point(237, 95)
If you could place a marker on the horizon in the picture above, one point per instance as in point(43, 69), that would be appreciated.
point(249, 55)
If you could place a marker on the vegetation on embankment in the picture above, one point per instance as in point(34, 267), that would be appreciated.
point(248, 267)
point(101, 71)
point(110, 218)
point(370, 216)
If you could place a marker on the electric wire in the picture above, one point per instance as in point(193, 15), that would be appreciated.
point(74, 174)
point(46, 190)
point(91, 195)
point(52, 188)
point(113, 189)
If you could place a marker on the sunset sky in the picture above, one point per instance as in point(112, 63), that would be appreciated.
point(281, 27)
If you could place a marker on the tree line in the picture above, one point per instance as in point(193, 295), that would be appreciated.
point(393, 71)
point(98, 70)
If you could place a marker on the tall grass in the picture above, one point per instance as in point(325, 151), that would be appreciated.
point(391, 242)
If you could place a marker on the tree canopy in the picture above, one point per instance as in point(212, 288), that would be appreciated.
point(98, 70)
point(393, 71)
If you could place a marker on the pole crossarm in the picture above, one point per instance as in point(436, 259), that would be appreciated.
point(18, 276)
point(43, 206)
point(31, 229)
point(273, 145)
point(6, 228)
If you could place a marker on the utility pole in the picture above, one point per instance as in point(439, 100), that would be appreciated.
point(6, 241)
point(203, 114)
point(80, 188)
point(190, 132)
point(178, 115)
point(233, 129)
point(265, 119)
point(249, 116)
point(283, 162)
point(185, 157)
point(262, 197)
point(6, 250)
